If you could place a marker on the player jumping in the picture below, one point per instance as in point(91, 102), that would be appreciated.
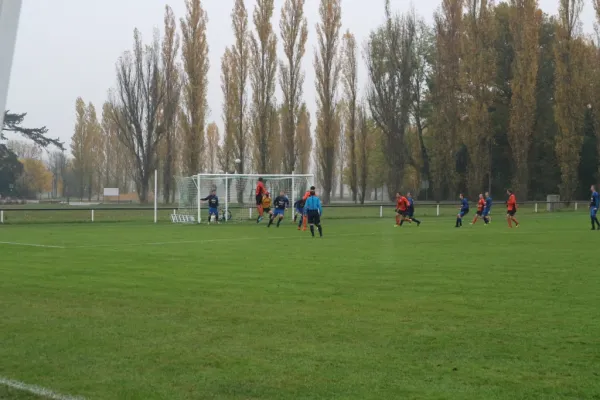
point(480, 208)
point(260, 192)
point(511, 209)
point(594, 203)
point(411, 209)
point(213, 205)
point(464, 210)
point(487, 211)
point(281, 203)
point(402, 205)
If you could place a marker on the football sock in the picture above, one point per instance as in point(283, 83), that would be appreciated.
point(270, 221)
point(312, 230)
point(458, 222)
point(593, 223)
point(486, 220)
point(300, 223)
point(304, 221)
point(397, 220)
point(597, 222)
point(279, 222)
point(295, 217)
point(320, 230)
point(416, 220)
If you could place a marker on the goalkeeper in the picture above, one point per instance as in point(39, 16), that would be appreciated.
point(213, 205)
point(281, 203)
point(266, 206)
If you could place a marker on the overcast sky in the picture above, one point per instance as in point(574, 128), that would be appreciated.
point(68, 48)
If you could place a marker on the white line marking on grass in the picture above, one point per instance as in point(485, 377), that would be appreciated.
point(33, 245)
point(37, 390)
point(120, 245)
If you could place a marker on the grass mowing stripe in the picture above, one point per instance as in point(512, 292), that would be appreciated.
point(33, 245)
point(36, 390)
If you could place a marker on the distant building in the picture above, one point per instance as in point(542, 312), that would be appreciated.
point(9, 22)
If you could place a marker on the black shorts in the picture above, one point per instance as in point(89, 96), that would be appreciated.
point(511, 212)
point(267, 210)
point(402, 213)
point(259, 198)
point(479, 213)
point(313, 217)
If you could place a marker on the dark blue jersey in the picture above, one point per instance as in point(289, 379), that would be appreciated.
point(411, 204)
point(464, 204)
point(281, 202)
point(299, 204)
point(213, 200)
point(488, 203)
point(595, 201)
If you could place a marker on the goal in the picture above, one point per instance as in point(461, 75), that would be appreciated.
point(236, 194)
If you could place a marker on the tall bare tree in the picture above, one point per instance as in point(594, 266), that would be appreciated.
point(57, 164)
point(362, 141)
point(212, 147)
point(446, 113)
point(80, 146)
point(525, 21)
point(327, 68)
point(294, 33)
point(95, 146)
point(230, 114)
point(263, 48)
point(390, 64)
point(195, 84)
point(240, 64)
point(477, 78)
point(170, 49)
point(304, 138)
point(136, 104)
point(569, 106)
point(350, 84)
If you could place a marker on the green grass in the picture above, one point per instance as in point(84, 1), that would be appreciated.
point(242, 312)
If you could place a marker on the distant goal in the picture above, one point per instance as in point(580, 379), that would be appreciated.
point(236, 194)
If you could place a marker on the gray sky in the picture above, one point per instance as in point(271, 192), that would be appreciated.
point(68, 48)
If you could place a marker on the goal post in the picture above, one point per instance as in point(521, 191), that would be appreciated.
point(236, 194)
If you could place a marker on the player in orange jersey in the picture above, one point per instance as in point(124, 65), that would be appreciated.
point(402, 207)
point(261, 190)
point(511, 209)
point(480, 208)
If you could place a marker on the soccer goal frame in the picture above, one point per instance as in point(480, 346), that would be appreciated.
point(236, 193)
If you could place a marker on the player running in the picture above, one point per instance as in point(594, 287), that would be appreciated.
point(402, 205)
point(261, 190)
point(313, 211)
point(511, 209)
point(594, 204)
point(480, 208)
point(299, 206)
point(213, 205)
point(306, 196)
point(464, 210)
point(487, 211)
point(281, 203)
point(411, 209)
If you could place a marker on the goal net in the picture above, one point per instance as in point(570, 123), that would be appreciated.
point(237, 196)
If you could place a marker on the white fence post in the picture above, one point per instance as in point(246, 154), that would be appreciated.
point(575, 206)
point(536, 208)
point(92, 215)
point(1, 216)
point(380, 211)
point(438, 210)
point(155, 196)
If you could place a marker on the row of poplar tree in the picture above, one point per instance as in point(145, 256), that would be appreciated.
point(487, 97)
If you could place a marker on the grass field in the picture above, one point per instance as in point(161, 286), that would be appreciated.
point(143, 311)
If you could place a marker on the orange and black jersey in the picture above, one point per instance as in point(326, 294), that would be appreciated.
point(260, 189)
point(481, 205)
point(402, 204)
point(511, 204)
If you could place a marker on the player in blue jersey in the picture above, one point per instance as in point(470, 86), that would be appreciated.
point(281, 203)
point(213, 205)
point(313, 211)
point(487, 211)
point(411, 209)
point(299, 211)
point(594, 204)
point(464, 210)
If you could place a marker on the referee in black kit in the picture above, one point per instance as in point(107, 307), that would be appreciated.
point(313, 211)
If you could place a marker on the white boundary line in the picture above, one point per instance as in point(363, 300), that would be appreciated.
point(37, 390)
point(33, 245)
point(120, 245)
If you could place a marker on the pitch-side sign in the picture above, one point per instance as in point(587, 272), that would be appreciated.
point(111, 192)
